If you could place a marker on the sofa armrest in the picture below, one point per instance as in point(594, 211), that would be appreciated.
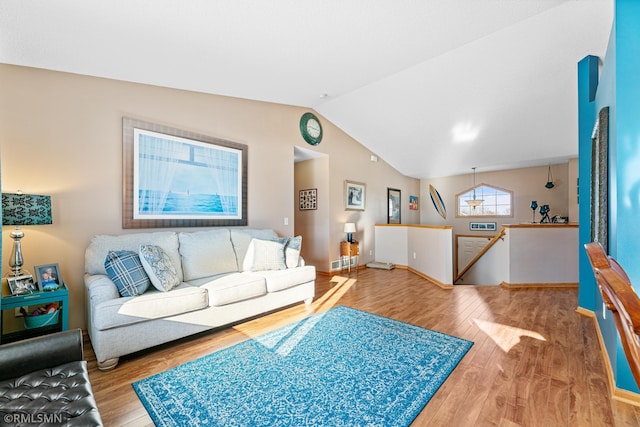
point(33, 354)
point(100, 288)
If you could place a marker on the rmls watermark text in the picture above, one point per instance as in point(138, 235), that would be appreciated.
point(35, 418)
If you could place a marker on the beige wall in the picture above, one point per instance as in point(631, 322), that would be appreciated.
point(61, 134)
point(527, 184)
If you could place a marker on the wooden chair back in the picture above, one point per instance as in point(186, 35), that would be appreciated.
point(619, 297)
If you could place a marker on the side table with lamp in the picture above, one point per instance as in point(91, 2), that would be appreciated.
point(21, 209)
point(349, 248)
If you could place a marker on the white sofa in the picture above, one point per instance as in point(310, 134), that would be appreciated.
point(222, 278)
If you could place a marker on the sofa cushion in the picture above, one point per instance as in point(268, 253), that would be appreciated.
point(235, 287)
point(126, 271)
point(100, 245)
point(241, 238)
point(267, 255)
point(206, 253)
point(153, 304)
point(278, 280)
point(156, 263)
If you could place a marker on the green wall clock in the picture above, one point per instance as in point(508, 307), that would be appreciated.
point(310, 128)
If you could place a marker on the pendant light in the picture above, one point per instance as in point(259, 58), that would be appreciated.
point(549, 183)
point(474, 203)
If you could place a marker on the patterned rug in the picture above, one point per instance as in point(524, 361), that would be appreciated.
point(343, 367)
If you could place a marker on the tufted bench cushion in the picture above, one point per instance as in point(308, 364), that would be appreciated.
point(63, 392)
point(54, 395)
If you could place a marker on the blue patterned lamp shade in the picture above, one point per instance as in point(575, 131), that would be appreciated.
point(25, 209)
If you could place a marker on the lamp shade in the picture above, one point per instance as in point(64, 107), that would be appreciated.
point(26, 209)
point(349, 227)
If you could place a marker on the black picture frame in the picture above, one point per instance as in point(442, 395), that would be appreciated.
point(394, 208)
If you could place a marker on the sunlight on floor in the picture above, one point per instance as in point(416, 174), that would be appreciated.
point(330, 299)
point(506, 337)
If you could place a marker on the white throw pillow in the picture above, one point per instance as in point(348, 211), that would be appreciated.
point(267, 255)
point(292, 251)
point(159, 268)
point(291, 246)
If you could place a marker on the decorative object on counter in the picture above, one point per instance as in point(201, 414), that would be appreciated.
point(349, 228)
point(544, 211)
point(533, 206)
point(557, 219)
point(438, 203)
point(474, 203)
point(549, 183)
point(23, 209)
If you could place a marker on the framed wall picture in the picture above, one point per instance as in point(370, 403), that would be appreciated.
point(354, 196)
point(413, 203)
point(393, 206)
point(20, 285)
point(482, 226)
point(48, 277)
point(308, 199)
point(175, 178)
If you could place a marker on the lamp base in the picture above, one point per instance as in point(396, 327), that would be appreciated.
point(16, 261)
point(350, 237)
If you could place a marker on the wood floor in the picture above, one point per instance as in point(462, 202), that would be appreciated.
point(534, 362)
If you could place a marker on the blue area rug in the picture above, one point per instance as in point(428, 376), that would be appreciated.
point(343, 367)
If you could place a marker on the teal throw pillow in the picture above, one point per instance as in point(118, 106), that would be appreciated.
point(126, 271)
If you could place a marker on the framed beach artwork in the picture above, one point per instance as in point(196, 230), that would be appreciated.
point(176, 178)
point(354, 196)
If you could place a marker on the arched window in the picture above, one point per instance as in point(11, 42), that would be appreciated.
point(496, 202)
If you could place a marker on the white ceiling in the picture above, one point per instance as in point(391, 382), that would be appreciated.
point(434, 87)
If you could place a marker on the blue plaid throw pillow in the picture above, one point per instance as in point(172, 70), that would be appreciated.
point(126, 271)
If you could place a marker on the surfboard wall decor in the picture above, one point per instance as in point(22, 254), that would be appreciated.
point(438, 203)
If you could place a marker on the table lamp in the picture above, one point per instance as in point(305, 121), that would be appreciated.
point(349, 228)
point(23, 209)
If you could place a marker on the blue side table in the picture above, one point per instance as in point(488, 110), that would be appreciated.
point(11, 302)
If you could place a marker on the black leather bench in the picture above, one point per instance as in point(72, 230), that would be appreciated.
point(45, 382)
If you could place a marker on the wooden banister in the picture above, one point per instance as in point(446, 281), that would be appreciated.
point(479, 254)
point(619, 297)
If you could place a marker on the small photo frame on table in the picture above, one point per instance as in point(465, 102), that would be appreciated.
point(20, 285)
point(48, 276)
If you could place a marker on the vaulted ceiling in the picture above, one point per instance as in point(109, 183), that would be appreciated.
point(434, 87)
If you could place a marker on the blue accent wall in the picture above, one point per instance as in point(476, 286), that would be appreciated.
point(619, 89)
point(587, 85)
